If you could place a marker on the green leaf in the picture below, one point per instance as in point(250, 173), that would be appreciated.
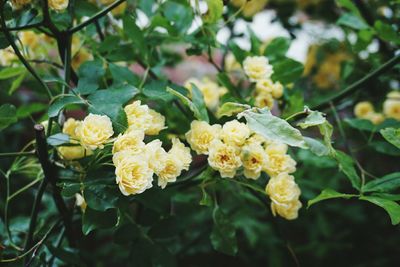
point(157, 90)
point(391, 207)
point(16, 83)
point(316, 146)
point(385, 148)
point(346, 165)
point(277, 48)
point(101, 197)
point(61, 103)
point(8, 115)
point(58, 139)
point(361, 124)
point(214, 12)
point(223, 235)
point(29, 109)
point(224, 80)
point(3, 41)
point(386, 32)
point(89, 74)
point(391, 135)
point(230, 108)
point(273, 128)
point(328, 194)
point(11, 72)
point(238, 52)
point(352, 21)
point(386, 183)
point(123, 74)
point(110, 101)
point(133, 32)
point(70, 257)
point(196, 105)
point(314, 118)
point(287, 71)
point(92, 220)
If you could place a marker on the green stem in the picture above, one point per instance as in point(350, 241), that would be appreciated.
point(19, 191)
point(24, 27)
point(96, 16)
point(257, 189)
point(17, 154)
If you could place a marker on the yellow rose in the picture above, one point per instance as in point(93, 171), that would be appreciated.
point(231, 63)
point(58, 4)
point(173, 168)
point(138, 115)
point(80, 57)
point(224, 158)
point(363, 109)
point(209, 89)
point(131, 140)
point(257, 68)
point(391, 106)
point(282, 189)
point(133, 174)
point(181, 152)
point(73, 152)
point(30, 39)
point(235, 133)
point(289, 211)
point(201, 134)
point(18, 4)
point(263, 100)
point(278, 161)
point(157, 156)
point(70, 127)
point(254, 159)
point(257, 139)
point(7, 56)
point(264, 86)
point(157, 123)
point(94, 131)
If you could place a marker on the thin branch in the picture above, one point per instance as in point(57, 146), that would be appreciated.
point(98, 29)
point(43, 61)
point(24, 27)
point(17, 154)
point(96, 16)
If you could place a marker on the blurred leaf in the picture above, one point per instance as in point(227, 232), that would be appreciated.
point(223, 235)
point(352, 21)
point(391, 135)
point(29, 109)
point(134, 34)
point(277, 48)
point(197, 104)
point(386, 183)
point(214, 11)
point(391, 207)
point(89, 74)
point(238, 52)
point(230, 108)
point(61, 103)
point(273, 128)
point(314, 118)
point(287, 71)
point(70, 257)
point(16, 83)
point(328, 194)
point(10, 72)
point(92, 220)
point(346, 165)
point(385, 148)
point(157, 90)
point(224, 80)
point(361, 124)
point(387, 32)
point(180, 14)
point(101, 197)
point(3, 41)
point(349, 5)
point(8, 115)
point(316, 146)
point(58, 139)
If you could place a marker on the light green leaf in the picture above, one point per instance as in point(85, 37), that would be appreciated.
point(387, 32)
point(214, 12)
point(223, 235)
point(62, 102)
point(230, 108)
point(328, 194)
point(346, 165)
point(8, 115)
point(196, 105)
point(392, 135)
point(58, 139)
point(277, 48)
point(316, 146)
point(11, 72)
point(352, 21)
point(391, 207)
point(273, 128)
point(29, 109)
point(314, 118)
point(287, 71)
point(386, 183)
point(16, 83)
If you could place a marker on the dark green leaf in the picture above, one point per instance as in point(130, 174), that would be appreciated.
point(223, 235)
point(287, 71)
point(29, 109)
point(328, 194)
point(157, 90)
point(8, 115)
point(62, 102)
point(385, 148)
point(92, 220)
point(387, 32)
point(101, 197)
point(386, 183)
point(277, 48)
point(89, 74)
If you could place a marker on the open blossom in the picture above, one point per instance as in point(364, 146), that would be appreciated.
point(278, 160)
point(58, 4)
point(94, 131)
point(254, 159)
point(224, 158)
point(75, 151)
point(133, 174)
point(132, 140)
point(70, 126)
point(181, 152)
point(157, 156)
point(235, 133)
point(257, 68)
point(201, 134)
point(173, 168)
point(363, 109)
point(138, 116)
point(391, 106)
point(157, 123)
point(289, 211)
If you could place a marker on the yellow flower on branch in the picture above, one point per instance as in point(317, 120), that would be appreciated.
point(391, 106)
point(95, 131)
point(235, 133)
point(131, 140)
point(224, 158)
point(254, 159)
point(201, 135)
point(257, 68)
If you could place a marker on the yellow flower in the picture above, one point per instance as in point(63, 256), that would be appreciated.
point(80, 57)
point(209, 89)
point(391, 106)
point(157, 123)
point(264, 86)
point(119, 10)
point(156, 155)
point(80, 202)
point(289, 211)
point(18, 4)
point(30, 39)
point(282, 189)
point(254, 159)
point(224, 158)
point(94, 131)
point(201, 134)
point(251, 7)
point(363, 109)
point(258, 140)
point(181, 152)
point(277, 90)
point(263, 100)
point(375, 118)
point(133, 174)
point(70, 126)
point(257, 68)
point(131, 140)
point(235, 133)
point(139, 116)
point(73, 152)
point(231, 63)
point(278, 161)
point(173, 168)
point(58, 4)
point(7, 56)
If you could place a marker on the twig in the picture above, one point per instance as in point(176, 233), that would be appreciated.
point(17, 154)
point(98, 29)
point(23, 27)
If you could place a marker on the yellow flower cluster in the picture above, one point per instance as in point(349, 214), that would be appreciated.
point(249, 7)
point(75, 151)
point(136, 162)
point(58, 5)
point(266, 92)
point(257, 68)
point(391, 109)
point(284, 194)
point(211, 91)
